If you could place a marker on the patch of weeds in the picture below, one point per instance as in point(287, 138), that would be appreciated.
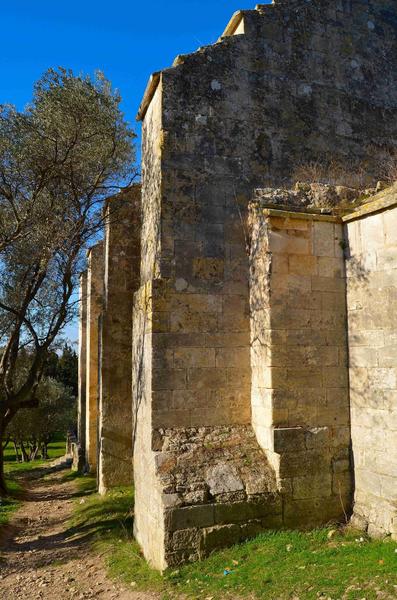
point(11, 503)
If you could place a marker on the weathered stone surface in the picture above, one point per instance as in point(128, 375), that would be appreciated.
point(240, 413)
point(121, 280)
point(216, 537)
point(309, 195)
point(299, 371)
point(217, 463)
point(223, 478)
point(190, 516)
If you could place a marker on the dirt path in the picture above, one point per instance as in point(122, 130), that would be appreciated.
point(39, 560)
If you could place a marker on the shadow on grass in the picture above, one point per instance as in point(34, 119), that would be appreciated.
point(21, 478)
point(9, 504)
point(107, 522)
point(101, 515)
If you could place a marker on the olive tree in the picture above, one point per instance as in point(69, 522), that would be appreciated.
point(32, 429)
point(59, 159)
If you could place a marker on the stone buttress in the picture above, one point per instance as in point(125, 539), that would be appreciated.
point(371, 252)
point(300, 396)
point(82, 368)
point(94, 309)
point(121, 280)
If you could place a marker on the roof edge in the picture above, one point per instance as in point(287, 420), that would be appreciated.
point(385, 200)
point(233, 23)
point(297, 214)
point(148, 94)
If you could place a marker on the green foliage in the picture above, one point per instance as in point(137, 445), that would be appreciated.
point(322, 563)
point(71, 142)
point(32, 429)
point(63, 368)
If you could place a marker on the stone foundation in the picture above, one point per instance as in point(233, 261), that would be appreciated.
point(217, 489)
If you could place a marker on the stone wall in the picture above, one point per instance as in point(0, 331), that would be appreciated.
point(300, 401)
point(294, 84)
point(240, 413)
point(94, 308)
point(295, 87)
point(121, 279)
point(371, 237)
point(152, 140)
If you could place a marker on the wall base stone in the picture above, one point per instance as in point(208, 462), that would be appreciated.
point(217, 488)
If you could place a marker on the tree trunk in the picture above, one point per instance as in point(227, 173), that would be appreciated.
point(3, 487)
point(33, 452)
point(33, 449)
point(16, 452)
point(25, 457)
point(44, 452)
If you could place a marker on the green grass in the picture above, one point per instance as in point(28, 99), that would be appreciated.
point(107, 521)
point(10, 504)
point(291, 564)
point(14, 472)
point(275, 565)
point(55, 450)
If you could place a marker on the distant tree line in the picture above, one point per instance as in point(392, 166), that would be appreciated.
point(33, 429)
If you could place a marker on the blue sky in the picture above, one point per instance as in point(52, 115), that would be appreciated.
point(128, 40)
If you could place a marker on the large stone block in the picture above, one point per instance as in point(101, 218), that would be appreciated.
point(312, 512)
point(220, 536)
point(190, 516)
point(324, 239)
point(313, 486)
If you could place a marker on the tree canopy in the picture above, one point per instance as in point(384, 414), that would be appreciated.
point(59, 158)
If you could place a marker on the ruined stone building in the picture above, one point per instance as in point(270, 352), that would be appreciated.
point(238, 349)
